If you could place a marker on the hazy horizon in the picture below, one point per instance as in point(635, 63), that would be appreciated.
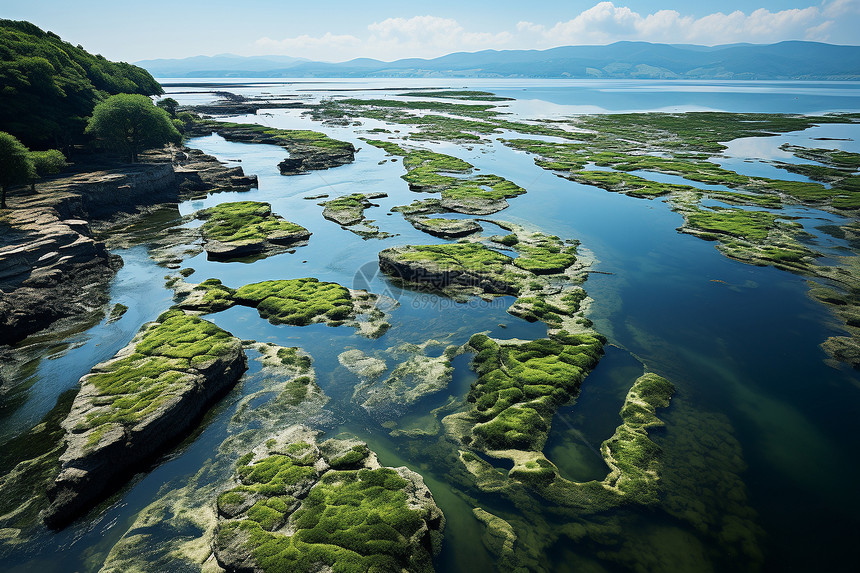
point(388, 31)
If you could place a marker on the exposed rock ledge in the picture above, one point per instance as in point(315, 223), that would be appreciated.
point(305, 505)
point(51, 267)
point(309, 150)
point(133, 406)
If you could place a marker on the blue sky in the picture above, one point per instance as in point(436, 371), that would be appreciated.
point(335, 30)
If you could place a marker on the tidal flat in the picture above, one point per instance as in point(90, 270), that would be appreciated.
point(618, 340)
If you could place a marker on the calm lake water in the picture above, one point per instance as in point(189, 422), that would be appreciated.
point(760, 438)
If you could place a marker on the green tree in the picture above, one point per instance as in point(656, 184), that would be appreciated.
point(16, 167)
point(48, 162)
point(49, 87)
point(130, 123)
point(169, 105)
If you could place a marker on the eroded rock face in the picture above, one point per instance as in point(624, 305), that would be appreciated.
point(303, 505)
point(196, 171)
point(51, 266)
point(135, 405)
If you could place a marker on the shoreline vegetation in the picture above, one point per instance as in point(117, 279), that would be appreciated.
point(295, 501)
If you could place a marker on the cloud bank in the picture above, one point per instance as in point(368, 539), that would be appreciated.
point(430, 36)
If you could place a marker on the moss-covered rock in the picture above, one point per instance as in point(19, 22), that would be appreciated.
point(468, 266)
point(297, 302)
point(309, 150)
point(133, 406)
point(431, 172)
point(304, 506)
point(349, 209)
point(446, 228)
point(245, 228)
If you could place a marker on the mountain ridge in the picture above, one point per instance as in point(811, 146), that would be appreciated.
point(792, 60)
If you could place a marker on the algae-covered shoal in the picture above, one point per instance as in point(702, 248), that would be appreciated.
point(302, 505)
point(137, 403)
point(309, 150)
point(297, 302)
point(461, 191)
point(520, 386)
point(243, 228)
point(348, 211)
point(457, 94)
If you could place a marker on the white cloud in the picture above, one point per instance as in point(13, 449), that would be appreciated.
point(836, 8)
point(323, 47)
point(606, 23)
point(430, 36)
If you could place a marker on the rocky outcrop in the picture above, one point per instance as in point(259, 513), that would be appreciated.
point(51, 266)
point(196, 171)
point(309, 150)
point(135, 405)
point(304, 505)
point(104, 193)
point(446, 228)
point(469, 266)
point(245, 228)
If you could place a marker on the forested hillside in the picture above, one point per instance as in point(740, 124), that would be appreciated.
point(49, 87)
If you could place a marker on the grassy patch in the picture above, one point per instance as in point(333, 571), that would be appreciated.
point(750, 225)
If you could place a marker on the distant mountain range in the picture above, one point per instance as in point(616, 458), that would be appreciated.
point(622, 60)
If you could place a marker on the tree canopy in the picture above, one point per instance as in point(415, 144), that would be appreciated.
point(169, 105)
point(49, 87)
point(130, 123)
point(16, 167)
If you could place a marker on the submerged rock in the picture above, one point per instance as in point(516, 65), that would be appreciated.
point(303, 505)
point(415, 376)
point(138, 403)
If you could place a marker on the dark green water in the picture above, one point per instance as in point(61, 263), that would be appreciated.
point(759, 439)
